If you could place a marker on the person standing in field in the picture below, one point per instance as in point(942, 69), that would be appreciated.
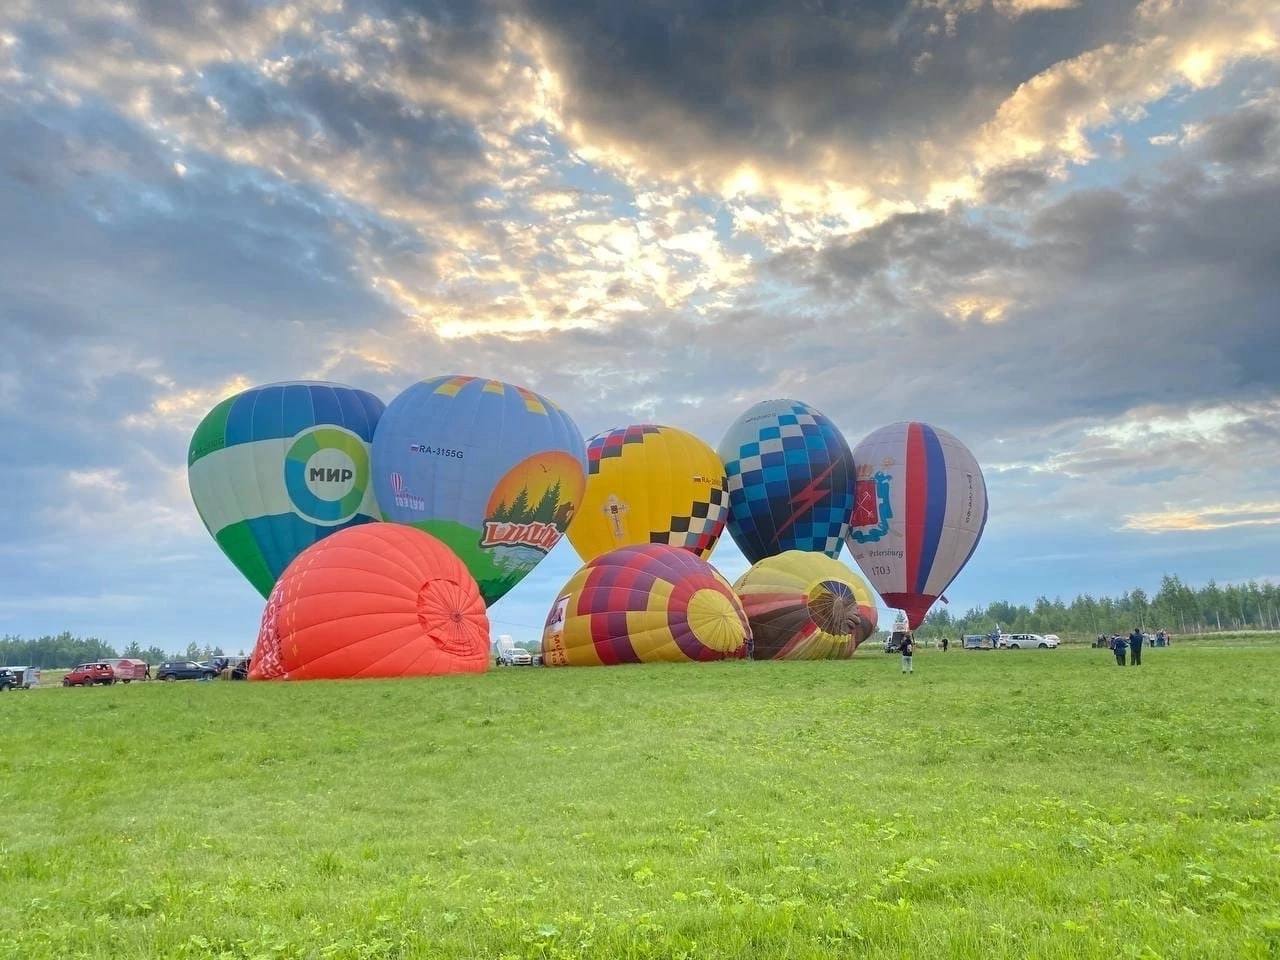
point(1135, 648)
point(908, 648)
point(1117, 647)
point(944, 644)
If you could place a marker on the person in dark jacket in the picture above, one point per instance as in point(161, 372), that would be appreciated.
point(1135, 647)
point(907, 649)
point(945, 643)
point(1117, 647)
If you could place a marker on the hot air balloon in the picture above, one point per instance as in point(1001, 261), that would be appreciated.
point(805, 606)
point(380, 600)
point(645, 603)
point(650, 484)
point(921, 504)
point(790, 479)
point(494, 471)
point(276, 468)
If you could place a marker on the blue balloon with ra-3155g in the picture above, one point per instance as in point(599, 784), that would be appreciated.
point(493, 470)
point(791, 477)
point(275, 468)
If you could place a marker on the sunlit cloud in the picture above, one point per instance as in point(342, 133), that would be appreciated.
point(183, 407)
point(1218, 517)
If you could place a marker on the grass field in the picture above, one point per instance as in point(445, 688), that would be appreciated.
point(1032, 804)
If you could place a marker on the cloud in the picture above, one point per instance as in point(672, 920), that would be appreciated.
point(914, 105)
point(1247, 138)
point(1196, 518)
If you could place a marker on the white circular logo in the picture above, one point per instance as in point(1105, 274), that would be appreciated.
point(330, 474)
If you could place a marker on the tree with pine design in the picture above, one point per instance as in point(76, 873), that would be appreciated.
point(520, 512)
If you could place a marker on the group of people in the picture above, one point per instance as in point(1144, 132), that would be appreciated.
point(1132, 644)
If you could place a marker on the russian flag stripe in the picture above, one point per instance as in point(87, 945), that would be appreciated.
point(917, 497)
point(935, 514)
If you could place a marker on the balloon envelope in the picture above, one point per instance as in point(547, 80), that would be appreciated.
point(650, 484)
point(274, 469)
point(920, 509)
point(790, 478)
point(493, 470)
point(380, 600)
point(645, 603)
point(805, 606)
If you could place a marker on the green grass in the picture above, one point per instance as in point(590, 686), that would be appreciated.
point(1031, 804)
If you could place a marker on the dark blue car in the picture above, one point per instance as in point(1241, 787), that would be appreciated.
point(183, 670)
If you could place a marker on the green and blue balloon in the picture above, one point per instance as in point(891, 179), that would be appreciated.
point(276, 468)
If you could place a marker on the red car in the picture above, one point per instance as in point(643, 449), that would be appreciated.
point(87, 674)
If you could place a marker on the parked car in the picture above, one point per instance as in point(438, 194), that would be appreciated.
point(25, 677)
point(223, 663)
point(237, 668)
point(7, 679)
point(127, 669)
point(1026, 641)
point(172, 670)
point(895, 641)
point(515, 657)
point(89, 674)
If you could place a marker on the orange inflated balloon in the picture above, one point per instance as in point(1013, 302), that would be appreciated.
point(375, 600)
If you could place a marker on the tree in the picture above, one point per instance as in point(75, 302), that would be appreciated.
point(520, 507)
point(545, 511)
point(1138, 601)
point(50, 651)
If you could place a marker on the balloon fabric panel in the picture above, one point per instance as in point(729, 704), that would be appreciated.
point(806, 606)
point(650, 484)
point(381, 600)
point(790, 477)
point(921, 507)
point(493, 470)
point(645, 603)
point(277, 468)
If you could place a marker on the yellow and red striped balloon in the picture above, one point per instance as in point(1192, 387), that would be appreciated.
point(806, 606)
point(645, 603)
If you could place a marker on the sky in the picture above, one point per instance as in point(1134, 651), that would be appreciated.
point(1049, 227)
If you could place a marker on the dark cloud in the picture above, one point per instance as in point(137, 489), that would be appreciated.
point(1105, 299)
point(181, 16)
point(1014, 184)
point(1244, 139)
point(716, 83)
point(427, 153)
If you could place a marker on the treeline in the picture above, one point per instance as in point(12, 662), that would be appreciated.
point(65, 650)
point(1176, 607)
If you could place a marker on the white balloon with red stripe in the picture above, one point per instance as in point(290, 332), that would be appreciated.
point(920, 505)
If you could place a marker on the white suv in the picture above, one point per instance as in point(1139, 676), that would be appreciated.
point(515, 657)
point(1018, 641)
